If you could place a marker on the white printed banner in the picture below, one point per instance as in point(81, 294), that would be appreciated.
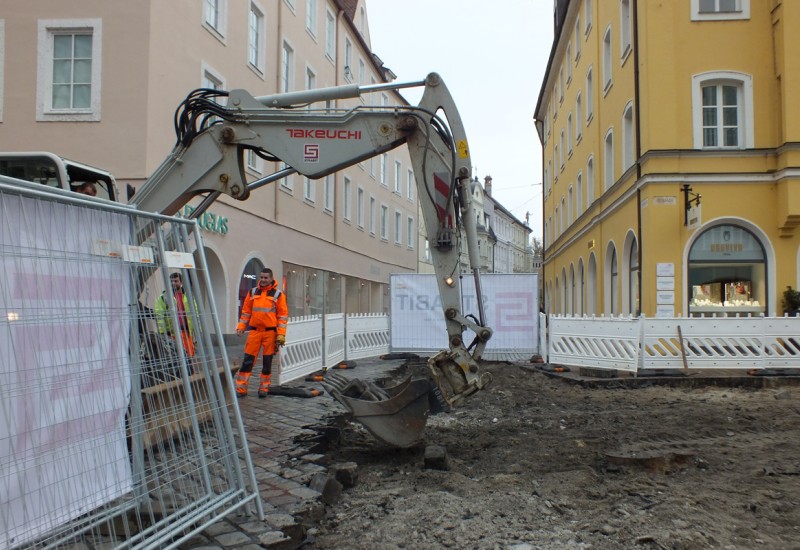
point(64, 366)
point(510, 304)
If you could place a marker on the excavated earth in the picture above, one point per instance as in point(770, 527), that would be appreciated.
point(536, 461)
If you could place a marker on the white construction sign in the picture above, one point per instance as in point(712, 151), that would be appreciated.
point(64, 366)
point(510, 304)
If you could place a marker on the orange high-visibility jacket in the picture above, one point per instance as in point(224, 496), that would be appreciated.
point(265, 308)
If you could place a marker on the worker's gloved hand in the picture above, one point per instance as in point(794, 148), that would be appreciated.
point(239, 332)
point(281, 340)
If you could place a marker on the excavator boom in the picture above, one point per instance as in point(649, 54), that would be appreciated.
point(208, 160)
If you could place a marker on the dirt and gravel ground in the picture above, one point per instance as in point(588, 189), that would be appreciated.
point(538, 462)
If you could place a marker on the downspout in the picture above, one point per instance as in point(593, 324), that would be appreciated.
point(638, 141)
point(279, 51)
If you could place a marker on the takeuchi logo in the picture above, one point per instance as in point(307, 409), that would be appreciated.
point(303, 133)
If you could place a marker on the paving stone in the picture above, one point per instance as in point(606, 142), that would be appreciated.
point(436, 458)
point(253, 527)
point(288, 525)
point(276, 540)
point(330, 490)
point(305, 492)
point(219, 528)
point(233, 539)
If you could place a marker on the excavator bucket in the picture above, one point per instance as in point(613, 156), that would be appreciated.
point(396, 415)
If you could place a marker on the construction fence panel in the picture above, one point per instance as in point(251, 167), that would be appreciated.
point(302, 353)
point(367, 335)
point(721, 343)
point(117, 419)
point(334, 339)
point(599, 342)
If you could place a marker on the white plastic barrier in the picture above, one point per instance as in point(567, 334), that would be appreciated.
point(367, 335)
point(302, 353)
point(333, 334)
point(606, 342)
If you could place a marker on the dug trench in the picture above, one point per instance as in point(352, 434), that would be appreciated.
point(536, 461)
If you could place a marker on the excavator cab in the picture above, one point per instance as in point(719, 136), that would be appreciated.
point(61, 173)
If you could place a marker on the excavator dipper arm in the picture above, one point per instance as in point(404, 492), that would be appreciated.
point(208, 160)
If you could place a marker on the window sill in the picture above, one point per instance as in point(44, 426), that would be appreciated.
point(607, 87)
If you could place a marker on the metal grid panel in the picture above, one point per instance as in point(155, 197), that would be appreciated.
point(111, 432)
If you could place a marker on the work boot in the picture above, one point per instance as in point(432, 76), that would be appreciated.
point(242, 378)
point(263, 389)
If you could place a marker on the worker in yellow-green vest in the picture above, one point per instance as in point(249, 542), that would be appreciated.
point(180, 301)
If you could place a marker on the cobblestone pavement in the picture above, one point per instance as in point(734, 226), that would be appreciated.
point(283, 438)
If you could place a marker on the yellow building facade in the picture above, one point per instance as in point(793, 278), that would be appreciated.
point(671, 154)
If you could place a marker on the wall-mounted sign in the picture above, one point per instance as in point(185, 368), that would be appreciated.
point(665, 297)
point(694, 217)
point(591, 244)
point(665, 270)
point(665, 201)
point(208, 220)
point(665, 283)
point(665, 311)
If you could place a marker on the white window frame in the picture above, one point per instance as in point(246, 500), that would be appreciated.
point(256, 45)
point(372, 215)
point(398, 182)
point(570, 206)
point(253, 162)
point(608, 159)
point(398, 227)
point(577, 39)
point(410, 232)
point(628, 130)
point(287, 182)
point(384, 161)
point(624, 29)
point(589, 96)
point(568, 62)
point(569, 134)
point(411, 183)
point(589, 181)
point(588, 14)
point(311, 17)
point(384, 213)
point(327, 193)
point(309, 190)
point(287, 67)
point(608, 44)
point(744, 83)
point(330, 35)
point(578, 118)
point(219, 28)
point(311, 82)
point(579, 206)
point(347, 210)
point(742, 13)
point(360, 207)
point(348, 59)
point(47, 29)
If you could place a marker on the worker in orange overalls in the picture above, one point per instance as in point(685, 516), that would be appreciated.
point(265, 315)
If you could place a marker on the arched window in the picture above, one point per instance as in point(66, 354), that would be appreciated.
point(581, 288)
point(591, 283)
point(634, 279)
point(613, 281)
point(572, 306)
point(248, 280)
point(727, 273)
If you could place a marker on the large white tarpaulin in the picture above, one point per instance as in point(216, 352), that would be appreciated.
point(64, 365)
point(510, 304)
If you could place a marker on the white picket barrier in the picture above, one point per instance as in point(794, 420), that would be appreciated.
point(606, 342)
point(302, 353)
point(631, 344)
point(333, 330)
point(310, 346)
point(367, 335)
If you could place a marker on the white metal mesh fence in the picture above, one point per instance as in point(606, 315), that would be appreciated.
point(117, 423)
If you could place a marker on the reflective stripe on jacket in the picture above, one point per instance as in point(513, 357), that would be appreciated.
point(265, 308)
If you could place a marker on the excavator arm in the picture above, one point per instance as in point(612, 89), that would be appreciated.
point(208, 160)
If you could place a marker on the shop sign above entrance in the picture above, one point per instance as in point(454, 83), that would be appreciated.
point(209, 221)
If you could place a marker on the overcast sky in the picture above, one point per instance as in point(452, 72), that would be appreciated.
point(492, 56)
